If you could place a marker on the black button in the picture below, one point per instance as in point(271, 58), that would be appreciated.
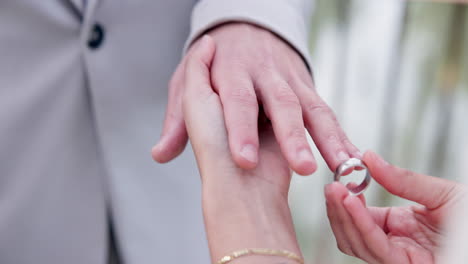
point(96, 37)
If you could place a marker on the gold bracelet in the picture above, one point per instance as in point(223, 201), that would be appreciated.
point(262, 252)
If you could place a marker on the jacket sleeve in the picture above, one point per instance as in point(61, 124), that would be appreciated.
point(288, 19)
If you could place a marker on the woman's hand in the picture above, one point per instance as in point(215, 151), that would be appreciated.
point(242, 208)
point(396, 234)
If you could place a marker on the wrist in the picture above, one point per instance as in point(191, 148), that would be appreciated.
point(247, 219)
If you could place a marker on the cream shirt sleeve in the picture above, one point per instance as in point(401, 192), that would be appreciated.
point(289, 19)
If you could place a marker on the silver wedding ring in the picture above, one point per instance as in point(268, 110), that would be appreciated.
point(353, 164)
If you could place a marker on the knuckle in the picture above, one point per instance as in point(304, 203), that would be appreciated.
point(333, 141)
point(243, 96)
point(242, 125)
point(297, 134)
point(265, 65)
point(333, 138)
point(285, 96)
point(344, 248)
point(172, 118)
point(340, 247)
point(346, 146)
point(346, 142)
point(319, 109)
point(446, 193)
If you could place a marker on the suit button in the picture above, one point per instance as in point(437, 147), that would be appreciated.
point(96, 36)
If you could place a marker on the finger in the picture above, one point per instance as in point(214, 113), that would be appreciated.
point(355, 242)
point(201, 105)
point(282, 107)
point(362, 198)
point(429, 191)
point(174, 135)
point(198, 97)
point(197, 70)
point(376, 241)
point(379, 214)
point(353, 185)
point(240, 108)
point(321, 122)
point(333, 192)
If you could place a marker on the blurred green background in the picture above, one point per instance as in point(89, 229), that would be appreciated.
point(396, 74)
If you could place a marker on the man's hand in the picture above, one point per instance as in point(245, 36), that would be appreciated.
point(253, 67)
point(393, 234)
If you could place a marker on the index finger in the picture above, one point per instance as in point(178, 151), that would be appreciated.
point(197, 69)
point(429, 191)
point(201, 105)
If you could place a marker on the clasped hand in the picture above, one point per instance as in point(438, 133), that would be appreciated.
point(252, 66)
point(248, 208)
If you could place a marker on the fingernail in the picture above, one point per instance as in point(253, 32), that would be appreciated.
point(249, 152)
point(349, 200)
point(305, 155)
point(342, 156)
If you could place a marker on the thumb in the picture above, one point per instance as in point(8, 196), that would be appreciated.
point(429, 191)
point(174, 135)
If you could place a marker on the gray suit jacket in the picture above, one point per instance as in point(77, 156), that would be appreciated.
point(82, 97)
